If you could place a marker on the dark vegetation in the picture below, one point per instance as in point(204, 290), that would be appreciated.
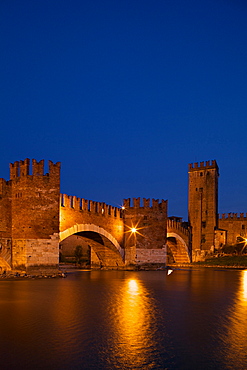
point(228, 261)
point(81, 257)
point(229, 255)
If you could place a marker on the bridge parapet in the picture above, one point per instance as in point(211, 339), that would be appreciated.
point(89, 206)
point(171, 224)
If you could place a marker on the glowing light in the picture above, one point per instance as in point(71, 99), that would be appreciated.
point(133, 286)
point(245, 243)
point(134, 325)
point(123, 207)
point(169, 272)
point(235, 336)
point(133, 230)
point(244, 285)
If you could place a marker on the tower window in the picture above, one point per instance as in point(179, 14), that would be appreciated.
point(203, 223)
point(201, 173)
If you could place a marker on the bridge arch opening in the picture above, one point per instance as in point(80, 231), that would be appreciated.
point(103, 248)
point(178, 251)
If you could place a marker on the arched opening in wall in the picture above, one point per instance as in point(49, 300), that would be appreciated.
point(74, 250)
point(96, 251)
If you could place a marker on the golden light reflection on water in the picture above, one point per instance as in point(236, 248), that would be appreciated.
point(244, 287)
point(236, 338)
point(134, 327)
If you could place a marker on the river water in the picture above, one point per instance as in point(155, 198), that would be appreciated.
point(191, 319)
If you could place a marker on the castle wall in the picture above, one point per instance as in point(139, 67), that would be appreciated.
point(147, 245)
point(235, 225)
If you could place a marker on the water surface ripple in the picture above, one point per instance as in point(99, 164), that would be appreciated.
point(191, 319)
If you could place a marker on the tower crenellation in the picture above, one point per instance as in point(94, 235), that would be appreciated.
point(38, 167)
point(14, 170)
point(146, 202)
point(22, 169)
point(203, 165)
point(136, 203)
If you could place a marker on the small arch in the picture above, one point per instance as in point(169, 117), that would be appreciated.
point(181, 240)
point(90, 227)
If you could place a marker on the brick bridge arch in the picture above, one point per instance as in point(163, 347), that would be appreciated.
point(94, 228)
point(100, 226)
point(105, 251)
point(178, 241)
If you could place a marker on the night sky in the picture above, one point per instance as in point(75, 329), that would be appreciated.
point(125, 94)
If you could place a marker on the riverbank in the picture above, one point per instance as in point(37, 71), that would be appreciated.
point(10, 275)
point(226, 262)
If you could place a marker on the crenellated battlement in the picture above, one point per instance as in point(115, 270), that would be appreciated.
point(20, 169)
point(198, 166)
point(136, 203)
point(38, 167)
point(90, 206)
point(233, 216)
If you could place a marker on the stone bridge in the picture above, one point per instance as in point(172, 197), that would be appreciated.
point(35, 217)
point(103, 228)
point(178, 242)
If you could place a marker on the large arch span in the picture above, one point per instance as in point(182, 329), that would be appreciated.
point(78, 228)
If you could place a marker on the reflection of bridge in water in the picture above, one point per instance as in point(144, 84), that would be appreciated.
point(103, 228)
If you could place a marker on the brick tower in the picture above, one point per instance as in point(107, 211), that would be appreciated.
point(203, 206)
point(147, 245)
point(35, 215)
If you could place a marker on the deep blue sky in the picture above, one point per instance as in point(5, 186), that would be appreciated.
point(127, 93)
